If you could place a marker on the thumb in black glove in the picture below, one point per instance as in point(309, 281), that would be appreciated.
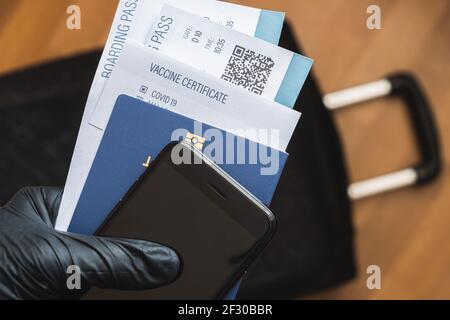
point(34, 258)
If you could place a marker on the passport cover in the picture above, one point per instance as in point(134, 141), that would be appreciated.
point(137, 130)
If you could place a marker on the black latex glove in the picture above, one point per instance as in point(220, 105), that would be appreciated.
point(34, 257)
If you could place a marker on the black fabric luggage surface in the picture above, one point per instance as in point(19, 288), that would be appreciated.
point(40, 112)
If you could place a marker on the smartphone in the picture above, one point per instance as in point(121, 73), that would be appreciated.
point(188, 203)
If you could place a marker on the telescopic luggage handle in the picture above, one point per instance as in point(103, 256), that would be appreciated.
point(406, 87)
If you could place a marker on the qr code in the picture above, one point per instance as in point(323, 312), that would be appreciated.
point(248, 69)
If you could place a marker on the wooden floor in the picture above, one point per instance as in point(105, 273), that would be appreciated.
point(406, 233)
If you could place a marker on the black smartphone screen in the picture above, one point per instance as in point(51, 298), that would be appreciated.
point(212, 224)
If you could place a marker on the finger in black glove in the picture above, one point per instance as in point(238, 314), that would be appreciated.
point(34, 258)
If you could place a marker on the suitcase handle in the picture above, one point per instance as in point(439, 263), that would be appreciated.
point(405, 86)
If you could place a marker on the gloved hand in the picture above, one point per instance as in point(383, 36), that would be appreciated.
point(34, 258)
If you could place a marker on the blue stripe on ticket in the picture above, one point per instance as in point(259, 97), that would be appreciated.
point(269, 26)
point(293, 80)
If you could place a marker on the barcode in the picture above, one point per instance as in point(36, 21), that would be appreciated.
point(248, 69)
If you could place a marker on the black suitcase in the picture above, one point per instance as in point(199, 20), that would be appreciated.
point(40, 112)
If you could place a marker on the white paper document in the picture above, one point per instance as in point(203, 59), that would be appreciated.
point(134, 20)
point(157, 79)
point(244, 61)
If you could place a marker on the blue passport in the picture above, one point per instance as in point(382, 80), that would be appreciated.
point(138, 130)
